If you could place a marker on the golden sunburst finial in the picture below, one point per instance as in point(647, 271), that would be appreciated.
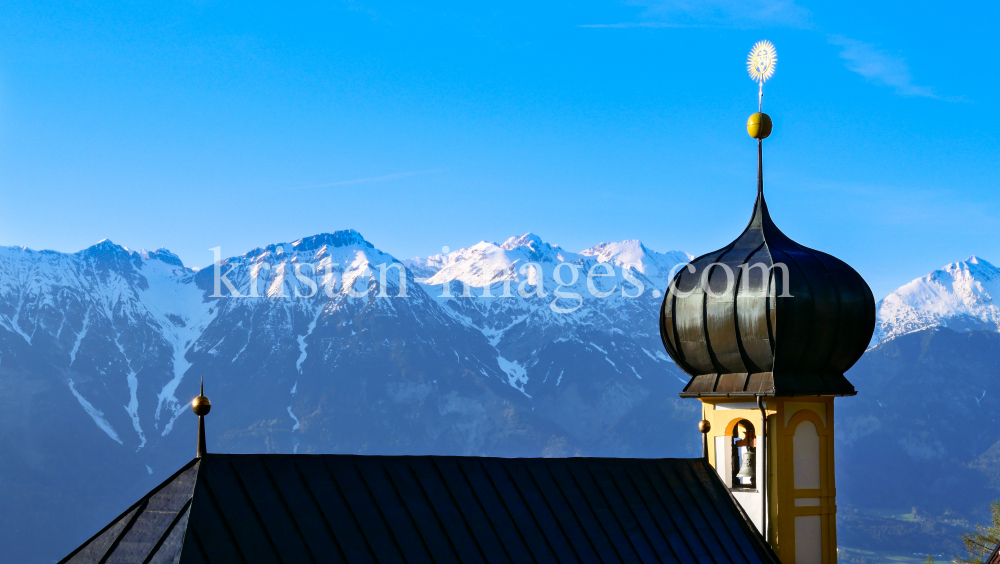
point(760, 63)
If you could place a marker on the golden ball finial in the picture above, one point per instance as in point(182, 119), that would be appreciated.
point(704, 426)
point(759, 125)
point(201, 405)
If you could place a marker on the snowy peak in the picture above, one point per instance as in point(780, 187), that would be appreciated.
point(345, 238)
point(162, 255)
point(337, 246)
point(323, 244)
point(529, 240)
point(633, 253)
point(104, 246)
point(962, 296)
point(530, 247)
point(328, 264)
point(105, 251)
point(486, 263)
point(425, 267)
point(629, 250)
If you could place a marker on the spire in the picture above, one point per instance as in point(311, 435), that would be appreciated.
point(760, 64)
point(201, 406)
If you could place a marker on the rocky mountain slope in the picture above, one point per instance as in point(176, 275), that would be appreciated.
point(576, 345)
point(325, 344)
point(959, 296)
point(918, 449)
point(918, 453)
point(328, 344)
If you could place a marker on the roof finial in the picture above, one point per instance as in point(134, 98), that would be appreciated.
point(760, 64)
point(201, 406)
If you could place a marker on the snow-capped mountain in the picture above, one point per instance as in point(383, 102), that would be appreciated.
point(104, 316)
point(577, 333)
point(324, 344)
point(960, 297)
point(328, 344)
point(925, 411)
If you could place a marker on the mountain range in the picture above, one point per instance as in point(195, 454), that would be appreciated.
point(328, 344)
point(959, 296)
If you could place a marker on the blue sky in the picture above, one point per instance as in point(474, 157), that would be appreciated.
point(196, 124)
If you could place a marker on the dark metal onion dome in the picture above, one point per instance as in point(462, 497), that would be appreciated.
point(789, 320)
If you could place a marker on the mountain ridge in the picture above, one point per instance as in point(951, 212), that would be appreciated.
point(959, 296)
point(501, 349)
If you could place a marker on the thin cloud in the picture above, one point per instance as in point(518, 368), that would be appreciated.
point(624, 25)
point(385, 178)
point(880, 67)
point(876, 65)
point(717, 13)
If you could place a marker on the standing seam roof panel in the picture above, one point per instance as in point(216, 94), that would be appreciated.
point(638, 507)
point(605, 515)
point(468, 506)
point(503, 522)
point(560, 507)
point(672, 505)
point(667, 524)
point(333, 506)
point(366, 510)
point(244, 521)
point(719, 550)
point(636, 534)
point(402, 525)
point(723, 508)
point(194, 552)
point(524, 519)
point(272, 508)
point(306, 512)
point(208, 524)
point(552, 527)
point(362, 509)
point(444, 505)
point(170, 546)
point(583, 510)
point(421, 510)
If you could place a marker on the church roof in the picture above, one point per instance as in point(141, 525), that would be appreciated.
point(347, 508)
point(765, 315)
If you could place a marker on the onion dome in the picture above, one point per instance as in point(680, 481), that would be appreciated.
point(765, 315)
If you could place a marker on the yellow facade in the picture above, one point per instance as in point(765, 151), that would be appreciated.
point(801, 491)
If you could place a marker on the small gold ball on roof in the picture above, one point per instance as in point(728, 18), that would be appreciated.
point(201, 405)
point(759, 125)
point(704, 426)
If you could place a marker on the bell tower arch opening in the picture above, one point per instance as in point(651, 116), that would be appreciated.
point(743, 453)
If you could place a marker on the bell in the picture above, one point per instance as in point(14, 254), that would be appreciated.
point(749, 467)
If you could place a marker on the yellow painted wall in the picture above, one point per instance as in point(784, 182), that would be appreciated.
point(786, 502)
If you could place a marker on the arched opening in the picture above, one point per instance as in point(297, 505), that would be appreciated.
point(743, 450)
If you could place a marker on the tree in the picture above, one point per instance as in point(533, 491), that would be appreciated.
point(981, 541)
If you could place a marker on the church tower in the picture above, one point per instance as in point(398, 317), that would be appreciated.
point(766, 328)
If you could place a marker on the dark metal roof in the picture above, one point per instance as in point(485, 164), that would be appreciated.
point(762, 332)
point(344, 508)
